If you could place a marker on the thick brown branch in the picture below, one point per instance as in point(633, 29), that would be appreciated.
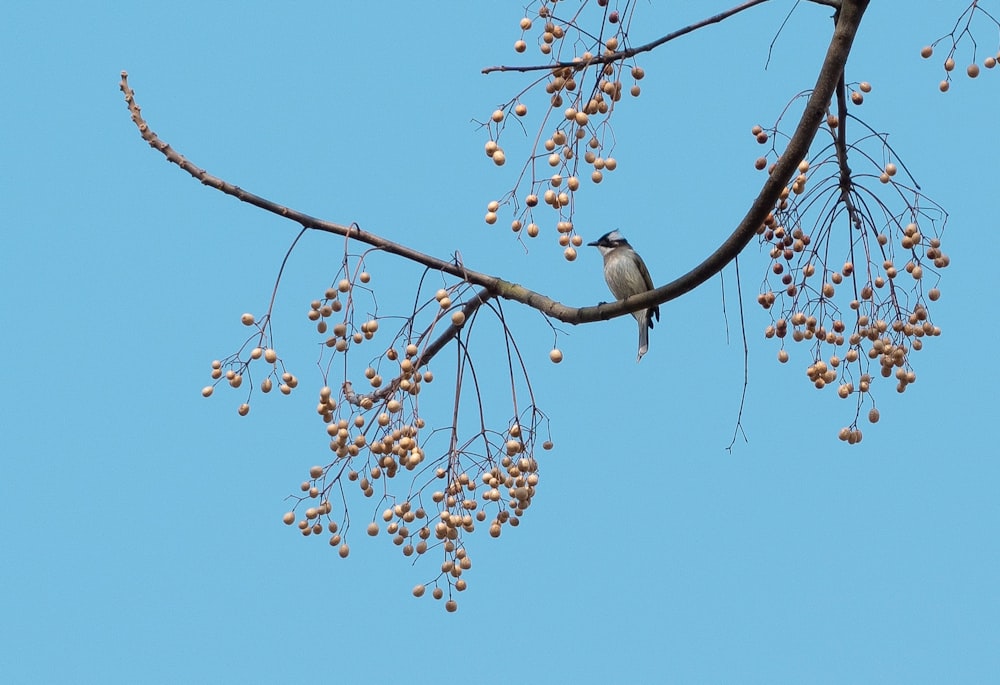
point(632, 52)
point(797, 149)
point(849, 18)
point(841, 141)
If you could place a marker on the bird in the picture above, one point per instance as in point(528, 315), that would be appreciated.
point(626, 274)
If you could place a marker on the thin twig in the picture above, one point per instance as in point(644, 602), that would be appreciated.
point(631, 52)
point(746, 363)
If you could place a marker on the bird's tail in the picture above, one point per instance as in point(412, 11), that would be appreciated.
point(643, 318)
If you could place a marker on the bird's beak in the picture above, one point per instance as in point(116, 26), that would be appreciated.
point(593, 244)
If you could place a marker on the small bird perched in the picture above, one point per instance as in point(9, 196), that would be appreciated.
point(626, 274)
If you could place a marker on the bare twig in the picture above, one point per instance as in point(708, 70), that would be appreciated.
point(738, 429)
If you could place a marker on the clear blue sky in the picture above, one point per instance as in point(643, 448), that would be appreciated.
point(141, 523)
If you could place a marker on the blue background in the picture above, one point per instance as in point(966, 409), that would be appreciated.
point(141, 524)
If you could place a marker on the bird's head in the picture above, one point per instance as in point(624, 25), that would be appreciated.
point(610, 241)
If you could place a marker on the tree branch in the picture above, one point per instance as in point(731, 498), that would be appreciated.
point(848, 19)
point(631, 52)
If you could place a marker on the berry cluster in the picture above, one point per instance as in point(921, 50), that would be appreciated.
point(377, 435)
point(581, 91)
point(961, 31)
point(864, 314)
point(236, 366)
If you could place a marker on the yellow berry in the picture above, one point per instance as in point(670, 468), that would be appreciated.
point(570, 254)
point(520, 46)
point(949, 64)
point(247, 319)
point(244, 409)
point(865, 87)
point(344, 551)
point(556, 355)
point(943, 86)
point(497, 116)
point(458, 318)
point(499, 158)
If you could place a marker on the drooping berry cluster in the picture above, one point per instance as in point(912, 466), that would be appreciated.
point(575, 140)
point(848, 271)
point(962, 31)
point(455, 483)
point(237, 366)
